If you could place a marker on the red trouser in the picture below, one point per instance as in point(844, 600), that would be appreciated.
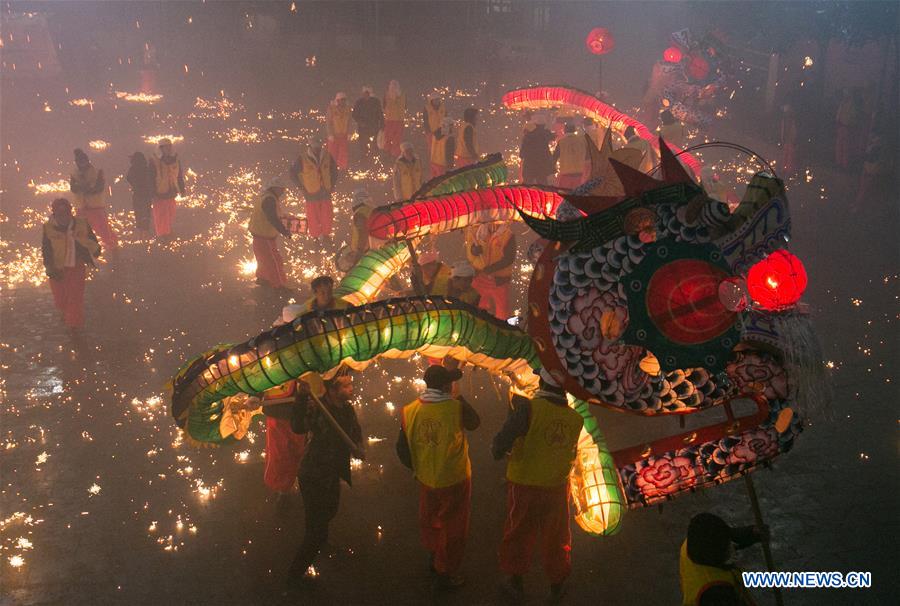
point(338, 147)
point(319, 216)
point(269, 264)
point(99, 222)
point(163, 215)
point(533, 511)
point(393, 137)
point(568, 181)
point(437, 169)
point(444, 523)
point(68, 295)
point(284, 451)
point(494, 297)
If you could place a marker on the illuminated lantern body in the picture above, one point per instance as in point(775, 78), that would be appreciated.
point(777, 281)
point(698, 68)
point(600, 41)
point(672, 54)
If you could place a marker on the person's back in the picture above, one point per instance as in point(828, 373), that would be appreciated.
point(545, 454)
point(572, 154)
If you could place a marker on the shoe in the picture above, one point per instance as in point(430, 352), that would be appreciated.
point(449, 582)
point(513, 589)
point(557, 593)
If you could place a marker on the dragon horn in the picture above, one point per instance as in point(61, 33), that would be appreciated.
point(672, 170)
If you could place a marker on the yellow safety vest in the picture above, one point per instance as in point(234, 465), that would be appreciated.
point(492, 251)
point(58, 241)
point(697, 578)
point(572, 154)
point(647, 155)
point(338, 119)
point(440, 451)
point(462, 154)
point(395, 108)
point(335, 304)
point(315, 176)
point(440, 281)
point(439, 151)
point(88, 180)
point(673, 134)
point(544, 456)
point(359, 231)
point(407, 178)
point(259, 223)
point(434, 117)
point(166, 177)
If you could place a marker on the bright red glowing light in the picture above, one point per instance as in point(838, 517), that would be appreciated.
point(672, 54)
point(600, 41)
point(778, 281)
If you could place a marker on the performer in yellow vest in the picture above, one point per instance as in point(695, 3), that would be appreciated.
point(407, 173)
point(672, 130)
point(323, 296)
point(707, 576)
point(491, 249)
point(359, 245)
point(432, 444)
point(265, 226)
point(648, 156)
point(467, 139)
point(433, 118)
point(68, 246)
point(337, 122)
point(88, 187)
point(443, 146)
point(169, 183)
point(572, 153)
point(315, 173)
point(540, 436)
point(394, 116)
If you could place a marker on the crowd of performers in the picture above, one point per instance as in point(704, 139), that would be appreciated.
point(313, 432)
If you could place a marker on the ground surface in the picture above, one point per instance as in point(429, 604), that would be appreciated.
point(102, 503)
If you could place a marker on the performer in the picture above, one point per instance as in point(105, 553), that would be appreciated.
point(634, 141)
point(284, 448)
point(541, 437)
point(323, 296)
point(672, 130)
point(88, 186)
point(432, 444)
point(315, 173)
point(534, 150)
point(707, 575)
point(369, 118)
point(361, 210)
point(443, 145)
point(491, 249)
point(140, 177)
point(467, 139)
point(394, 116)
point(407, 173)
point(265, 226)
point(572, 153)
point(432, 119)
point(325, 464)
point(337, 122)
point(68, 246)
point(169, 181)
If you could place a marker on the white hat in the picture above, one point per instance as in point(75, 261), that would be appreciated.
point(367, 89)
point(276, 182)
point(462, 269)
point(288, 314)
point(340, 96)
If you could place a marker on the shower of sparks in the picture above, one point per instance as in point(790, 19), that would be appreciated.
point(98, 145)
point(53, 187)
point(155, 139)
point(145, 98)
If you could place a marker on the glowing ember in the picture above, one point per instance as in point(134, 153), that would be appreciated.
point(82, 103)
point(50, 188)
point(146, 98)
point(247, 267)
point(98, 144)
point(155, 139)
point(94, 489)
point(16, 561)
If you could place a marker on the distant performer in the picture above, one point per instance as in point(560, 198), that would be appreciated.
point(394, 117)
point(265, 227)
point(88, 186)
point(315, 173)
point(337, 121)
point(169, 183)
point(68, 248)
point(369, 118)
point(467, 139)
point(140, 178)
point(407, 173)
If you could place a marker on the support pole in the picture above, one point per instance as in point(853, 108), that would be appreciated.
point(767, 549)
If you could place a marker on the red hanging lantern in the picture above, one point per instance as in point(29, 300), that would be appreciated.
point(600, 41)
point(778, 281)
point(672, 55)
